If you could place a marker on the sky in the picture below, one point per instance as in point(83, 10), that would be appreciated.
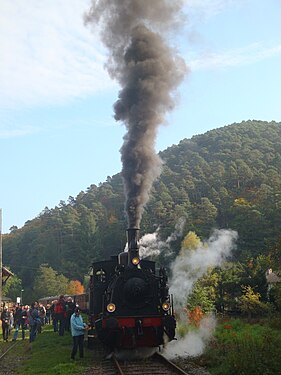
point(57, 131)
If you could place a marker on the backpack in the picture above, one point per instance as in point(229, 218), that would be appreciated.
point(59, 308)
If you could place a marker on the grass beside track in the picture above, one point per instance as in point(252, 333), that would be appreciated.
point(243, 348)
point(49, 354)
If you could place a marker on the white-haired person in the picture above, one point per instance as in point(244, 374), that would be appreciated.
point(70, 307)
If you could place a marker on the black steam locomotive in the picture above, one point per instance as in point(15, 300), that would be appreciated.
point(130, 305)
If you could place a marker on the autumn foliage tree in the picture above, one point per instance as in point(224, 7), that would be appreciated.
point(190, 242)
point(75, 287)
point(195, 316)
point(250, 302)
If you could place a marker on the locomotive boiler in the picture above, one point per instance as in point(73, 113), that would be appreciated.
point(130, 305)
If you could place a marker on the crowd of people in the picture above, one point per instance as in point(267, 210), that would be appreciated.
point(63, 314)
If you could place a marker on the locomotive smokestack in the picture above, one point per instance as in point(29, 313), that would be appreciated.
point(133, 244)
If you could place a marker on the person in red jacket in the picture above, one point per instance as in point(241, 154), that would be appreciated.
point(60, 314)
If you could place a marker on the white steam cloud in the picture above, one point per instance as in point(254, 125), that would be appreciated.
point(192, 344)
point(190, 266)
point(151, 245)
point(186, 270)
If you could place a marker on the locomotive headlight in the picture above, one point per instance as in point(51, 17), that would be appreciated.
point(135, 261)
point(111, 307)
point(165, 306)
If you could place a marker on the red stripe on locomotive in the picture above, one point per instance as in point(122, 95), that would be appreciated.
point(131, 322)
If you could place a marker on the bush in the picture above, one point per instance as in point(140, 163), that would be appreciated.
point(275, 321)
point(182, 329)
point(244, 349)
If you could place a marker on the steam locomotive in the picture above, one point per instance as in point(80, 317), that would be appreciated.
point(129, 300)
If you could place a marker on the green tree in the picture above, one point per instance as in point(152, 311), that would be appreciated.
point(250, 302)
point(228, 286)
point(13, 287)
point(201, 297)
point(205, 214)
point(49, 283)
point(275, 296)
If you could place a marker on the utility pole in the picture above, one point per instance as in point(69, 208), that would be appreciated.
point(1, 258)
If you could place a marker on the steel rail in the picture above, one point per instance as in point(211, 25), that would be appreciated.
point(116, 363)
point(7, 351)
point(157, 358)
point(170, 364)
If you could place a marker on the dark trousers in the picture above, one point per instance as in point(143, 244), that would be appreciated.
point(5, 330)
point(67, 322)
point(78, 342)
point(61, 325)
point(33, 332)
point(19, 326)
point(55, 324)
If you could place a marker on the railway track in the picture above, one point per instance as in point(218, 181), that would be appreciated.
point(156, 365)
point(5, 350)
point(6, 358)
point(104, 363)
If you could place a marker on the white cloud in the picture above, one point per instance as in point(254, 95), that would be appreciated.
point(18, 132)
point(234, 57)
point(47, 54)
point(208, 8)
point(207, 5)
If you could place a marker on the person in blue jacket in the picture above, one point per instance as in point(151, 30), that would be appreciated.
point(78, 328)
point(34, 320)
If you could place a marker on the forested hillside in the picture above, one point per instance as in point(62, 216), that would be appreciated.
point(227, 178)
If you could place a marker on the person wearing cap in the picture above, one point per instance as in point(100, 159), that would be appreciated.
point(78, 328)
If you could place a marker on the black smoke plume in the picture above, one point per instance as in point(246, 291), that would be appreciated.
point(148, 71)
